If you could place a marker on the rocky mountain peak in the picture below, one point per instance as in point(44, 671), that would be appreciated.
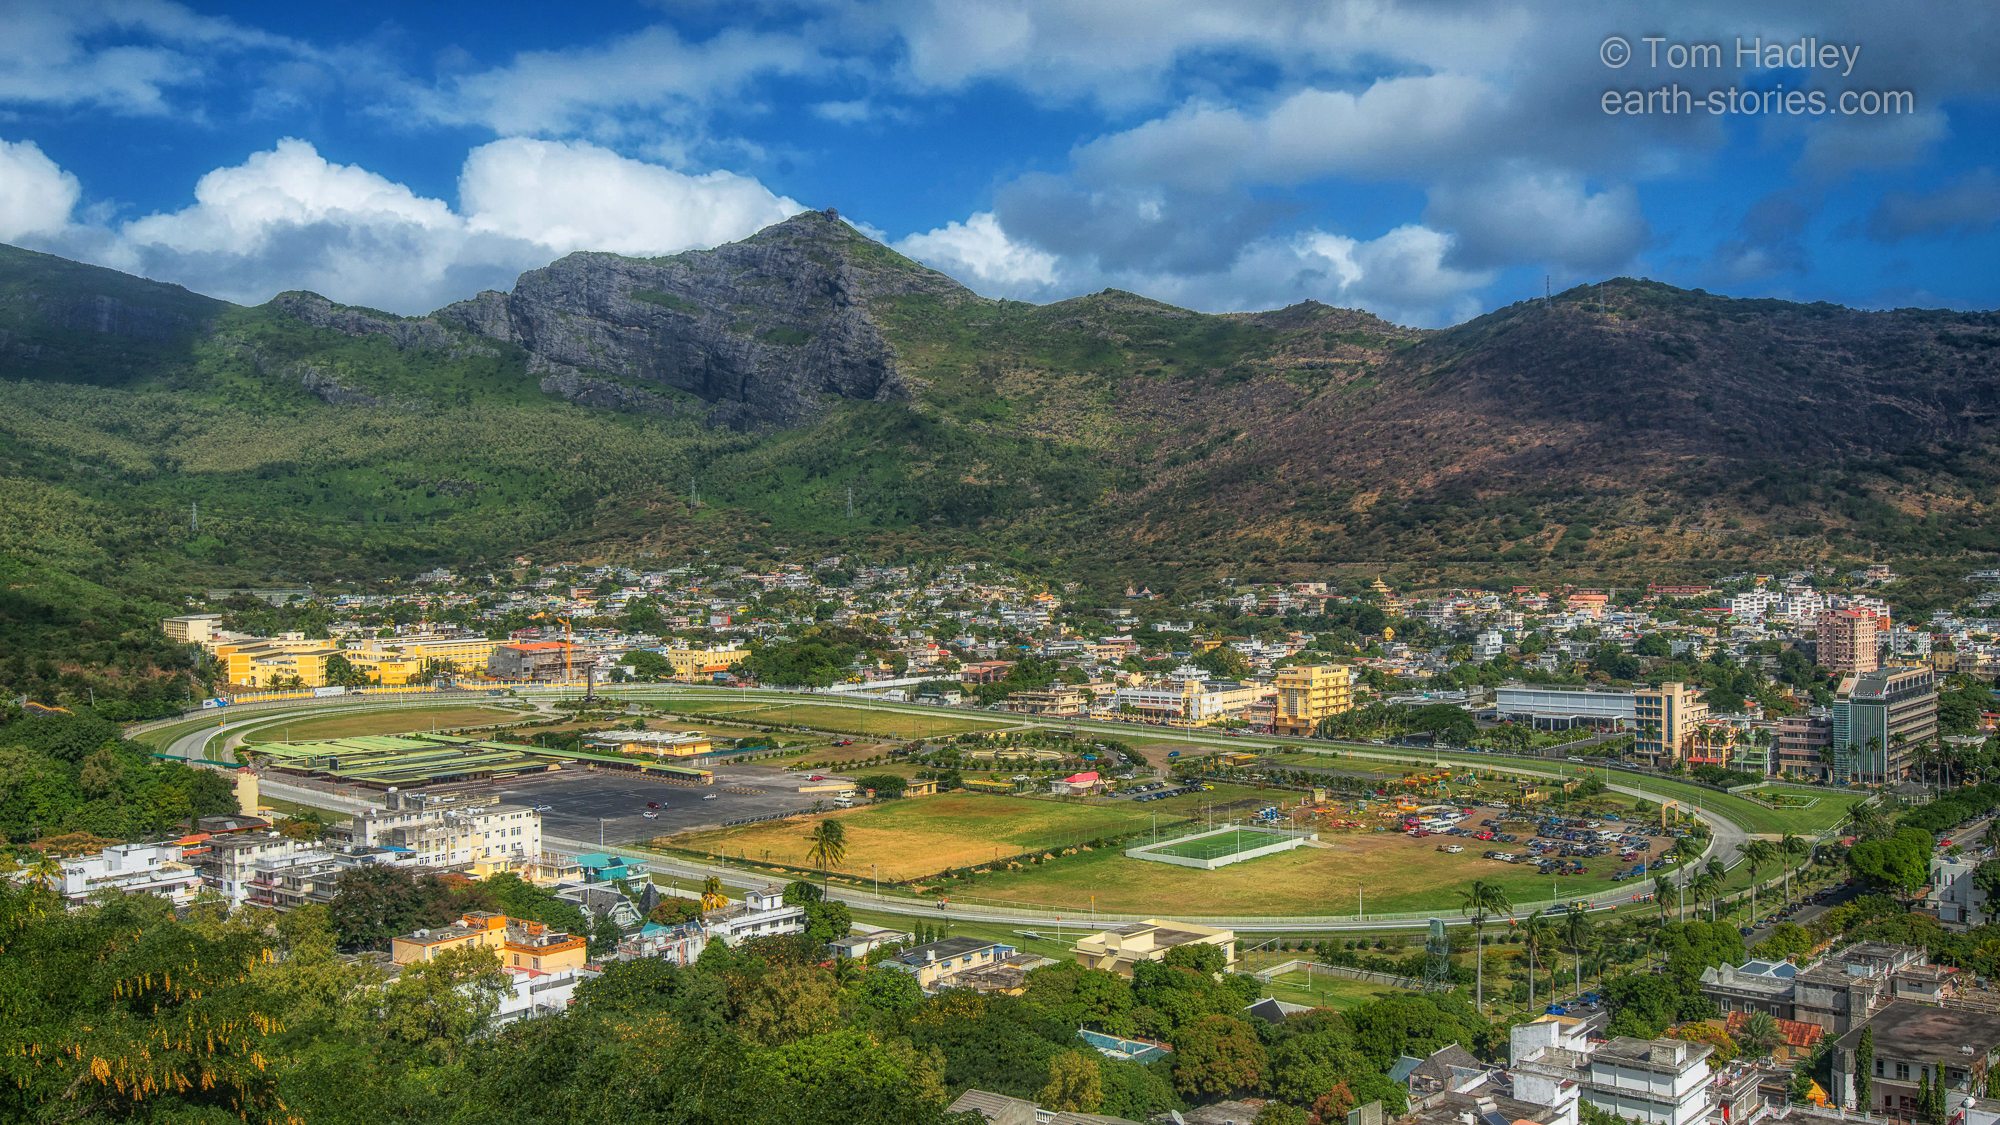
point(765, 331)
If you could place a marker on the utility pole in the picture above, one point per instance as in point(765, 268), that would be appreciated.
point(194, 517)
point(850, 503)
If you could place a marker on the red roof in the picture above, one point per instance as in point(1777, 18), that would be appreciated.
point(540, 646)
point(1089, 778)
point(1798, 1036)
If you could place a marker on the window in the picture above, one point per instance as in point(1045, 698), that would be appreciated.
point(1902, 1070)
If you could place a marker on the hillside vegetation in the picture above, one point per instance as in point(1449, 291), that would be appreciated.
point(733, 400)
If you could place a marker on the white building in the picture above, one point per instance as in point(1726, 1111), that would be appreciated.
point(230, 864)
point(156, 869)
point(1488, 645)
point(1651, 1081)
point(1547, 1058)
point(438, 834)
point(761, 914)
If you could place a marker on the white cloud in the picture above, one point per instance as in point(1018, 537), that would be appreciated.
point(978, 253)
point(1538, 215)
point(36, 196)
point(1404, 275)
point(631, 86)
point(1395, 126)
point(127, 56)
point(577, 196)
point(288, 218)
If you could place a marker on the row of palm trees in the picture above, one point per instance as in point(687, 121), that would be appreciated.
point(1706, 881)
point(1540, 933)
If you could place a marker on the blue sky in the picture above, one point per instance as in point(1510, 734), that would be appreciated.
point(1427, 160)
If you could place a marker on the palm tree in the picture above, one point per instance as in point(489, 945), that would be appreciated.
point(1662, 887)
point(45, 871)
point(829, 846)
point(1531, 944)
point(1760, 1035)
point(712, 897)
point(1576, 934)
point(1756, 855)
point(1538, 936)
point(1706, 884)
point(1482, 899)
point(1685, 851)
point(1792, 849)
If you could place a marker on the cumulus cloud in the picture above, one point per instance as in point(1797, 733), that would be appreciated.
point(1538, 215)
point(36, 196)
point(979, 253)
point(577, 196)
point(1404, 275)
point(288, 218)
point(1966, 205)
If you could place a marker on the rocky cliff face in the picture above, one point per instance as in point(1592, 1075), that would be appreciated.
point(765, 330)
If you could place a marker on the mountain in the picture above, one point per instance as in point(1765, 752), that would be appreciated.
point(744, 400)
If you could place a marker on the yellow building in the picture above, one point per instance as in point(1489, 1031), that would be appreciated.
point(390, 669)
point(691, 664)
point(464, 654)
point(1669, 719)
point(519, 944)
point(1309, 693)
point(257, 661)
point(1120, 948)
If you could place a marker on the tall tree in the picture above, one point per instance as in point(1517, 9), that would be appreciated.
point(829, 846)
point(1576, 934)
point(1481, 900)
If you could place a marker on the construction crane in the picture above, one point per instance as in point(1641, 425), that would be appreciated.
point(567, 673)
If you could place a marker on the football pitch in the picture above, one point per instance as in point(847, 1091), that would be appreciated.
point(1228, 843)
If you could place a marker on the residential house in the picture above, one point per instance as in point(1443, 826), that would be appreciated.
point(937, 963)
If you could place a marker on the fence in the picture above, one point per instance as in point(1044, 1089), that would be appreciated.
point(1348, 972)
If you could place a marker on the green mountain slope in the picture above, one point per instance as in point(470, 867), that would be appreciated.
point(734, 400)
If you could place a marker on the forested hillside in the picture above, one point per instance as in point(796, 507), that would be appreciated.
point(735, 401)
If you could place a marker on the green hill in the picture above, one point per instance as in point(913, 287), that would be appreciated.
point(1625, 428)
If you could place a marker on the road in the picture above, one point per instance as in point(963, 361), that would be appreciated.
point(1726, 837)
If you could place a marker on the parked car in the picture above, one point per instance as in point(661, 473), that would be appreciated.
point(652, 804)
point(651, 815)
point(708, 796)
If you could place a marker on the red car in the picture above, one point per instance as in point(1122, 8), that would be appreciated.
point(652, 804)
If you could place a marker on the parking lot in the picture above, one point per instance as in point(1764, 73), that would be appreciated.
point(578, 800)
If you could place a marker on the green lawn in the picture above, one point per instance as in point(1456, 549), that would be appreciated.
point(828, 717)
point(1324, 990)
point(919, 836)
point(1803, 810)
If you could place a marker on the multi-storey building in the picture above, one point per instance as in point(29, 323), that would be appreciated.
point(1654, 1081)
point(520, 944)
point(131, 869)
point(192, 628)
point(535, 660)
point(1669, 719)
point(1804, 742)
point(692, 664)
point(1310, 693)
point(1879, 721)
point(439, 834)
point(1916, 1045)
point(1847, 641)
